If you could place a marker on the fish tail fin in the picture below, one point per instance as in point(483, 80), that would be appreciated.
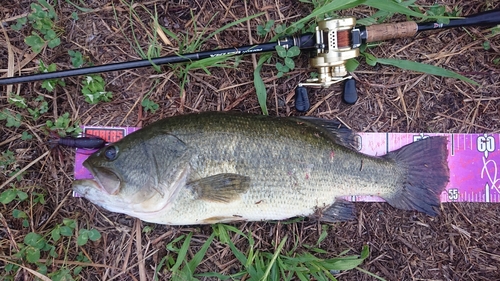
point(425, 176)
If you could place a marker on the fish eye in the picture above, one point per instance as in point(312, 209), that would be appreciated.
point(111, 153)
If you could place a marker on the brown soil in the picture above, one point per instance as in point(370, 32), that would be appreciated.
point(461, 244)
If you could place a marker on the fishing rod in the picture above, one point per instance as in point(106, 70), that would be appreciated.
point(334, 41)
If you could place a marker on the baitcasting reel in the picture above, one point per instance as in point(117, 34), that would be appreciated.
point(337, 40)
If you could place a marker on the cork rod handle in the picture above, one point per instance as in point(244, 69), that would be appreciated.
point(381, 32)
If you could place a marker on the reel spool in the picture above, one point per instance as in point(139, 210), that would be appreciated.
point(337, 40)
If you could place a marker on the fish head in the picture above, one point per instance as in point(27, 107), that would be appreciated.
point(139, 174)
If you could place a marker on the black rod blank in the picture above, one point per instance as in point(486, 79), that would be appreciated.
point(488, 18)
point(305, 41)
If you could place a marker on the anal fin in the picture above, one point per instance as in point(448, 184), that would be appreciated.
point(340, 210)
point(221, 187)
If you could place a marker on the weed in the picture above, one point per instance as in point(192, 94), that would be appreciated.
point(265, 29)
point(12, 194)
point(147, 229)
point(36, 246)
point(495, 30)
point(12, 119)
point(18, 101)
point(8, 165)
point(86, 235)
point(64, 229)
point(287, 55)
point(150, 105)
point(42, 20)
point(92, 85)
point(486, 45)
point(195, 45)
point(50, 84)
point(154, 48)
point(38, 198)
point(62, 126)
point(26, 136)
point(93, 89)
point(41, 107)
point(21, 215)
point(350, 65)
point(438, 10)
point(147, 103)
point(76, 58)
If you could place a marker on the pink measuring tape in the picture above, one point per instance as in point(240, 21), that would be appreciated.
point(472, 160)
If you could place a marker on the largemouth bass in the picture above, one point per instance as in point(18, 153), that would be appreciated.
point(224, 167)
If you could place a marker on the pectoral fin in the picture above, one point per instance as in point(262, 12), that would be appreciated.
point(221, 187)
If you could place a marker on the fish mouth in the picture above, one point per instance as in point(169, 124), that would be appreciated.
point(105, 179)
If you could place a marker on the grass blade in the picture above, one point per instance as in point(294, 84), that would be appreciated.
point(260, 88)
point(182, 252)
point(371, 274)
point(192, 264)
point(393, 7)
point(273, 260)
point(425, 68)
point(239, 255)
point(232, 24)
point(85, 10)
point(329, 7)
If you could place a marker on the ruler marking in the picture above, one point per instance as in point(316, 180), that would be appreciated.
point(386, 143)
point(487, 193)
point(452, 145)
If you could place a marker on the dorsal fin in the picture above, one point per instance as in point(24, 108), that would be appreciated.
point(338, 132)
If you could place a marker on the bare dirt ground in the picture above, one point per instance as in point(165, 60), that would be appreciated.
point(463, 243)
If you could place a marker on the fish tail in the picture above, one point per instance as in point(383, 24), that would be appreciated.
point(425, 175)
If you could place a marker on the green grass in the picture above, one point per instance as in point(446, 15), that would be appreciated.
point(255, 264)
point(186, 44)
point(191, 45)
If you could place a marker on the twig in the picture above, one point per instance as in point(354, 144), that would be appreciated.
point(10, 61)
point(319, 103)
point(24, 169)
point(9, 233)
point(135, 264)
point(54, 212)
point(138, 248)
point(254, 58)
point(464, 121)
point(78, 263)
point(37, 274)
point(10, 140)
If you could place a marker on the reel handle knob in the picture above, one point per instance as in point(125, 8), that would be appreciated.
point(350, 94)
point(301, 99)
